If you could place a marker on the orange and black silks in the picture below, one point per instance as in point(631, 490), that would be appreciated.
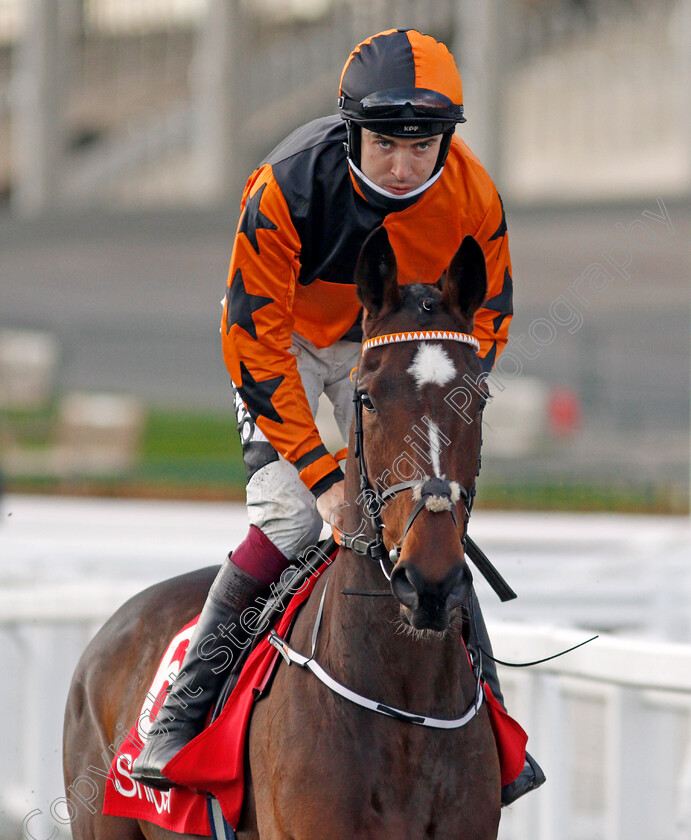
point(303, 223)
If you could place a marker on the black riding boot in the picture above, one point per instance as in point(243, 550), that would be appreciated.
point(215, 643)
point(531, 776)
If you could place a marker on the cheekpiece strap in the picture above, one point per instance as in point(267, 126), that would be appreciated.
point(365, 547)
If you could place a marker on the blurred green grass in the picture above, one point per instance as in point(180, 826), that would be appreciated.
point(197, 455)
point(538, 495)
point(181, 454)
point(191, 449)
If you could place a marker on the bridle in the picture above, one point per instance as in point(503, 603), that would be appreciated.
point(436, 493)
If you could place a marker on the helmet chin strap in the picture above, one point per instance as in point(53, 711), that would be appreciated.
point(353, 144)
point(444, 147)
point(385, 193)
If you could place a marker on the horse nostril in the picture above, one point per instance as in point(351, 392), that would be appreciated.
point(430, 604)
point(403, 588)
point(457, 586)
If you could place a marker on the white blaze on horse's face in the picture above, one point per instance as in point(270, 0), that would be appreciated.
point(434, 446)
point(432, 365)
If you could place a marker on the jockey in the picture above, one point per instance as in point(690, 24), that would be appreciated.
point(291, 323)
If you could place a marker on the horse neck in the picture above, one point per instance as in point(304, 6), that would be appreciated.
point(364, 643)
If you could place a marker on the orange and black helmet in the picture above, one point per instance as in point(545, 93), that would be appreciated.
point(403, 84)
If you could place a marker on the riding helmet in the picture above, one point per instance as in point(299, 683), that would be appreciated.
point(401, 83)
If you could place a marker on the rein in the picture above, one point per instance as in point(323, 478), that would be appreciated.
point(436, 494)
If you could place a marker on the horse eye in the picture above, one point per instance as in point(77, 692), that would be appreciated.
point(484, 399)
point(367, 403)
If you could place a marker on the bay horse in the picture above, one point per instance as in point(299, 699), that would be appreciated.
point(319, 767)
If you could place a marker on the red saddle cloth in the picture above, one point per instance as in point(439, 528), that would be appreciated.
point(214, 760)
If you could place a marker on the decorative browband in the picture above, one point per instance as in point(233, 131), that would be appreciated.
point(422, 335)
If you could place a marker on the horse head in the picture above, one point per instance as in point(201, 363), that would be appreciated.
point(419, 399)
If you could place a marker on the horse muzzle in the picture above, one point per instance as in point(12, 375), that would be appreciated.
point(428, 605)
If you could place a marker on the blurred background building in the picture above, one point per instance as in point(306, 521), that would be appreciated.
point(127, 130)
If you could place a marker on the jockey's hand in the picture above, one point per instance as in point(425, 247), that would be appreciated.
point(330, 499)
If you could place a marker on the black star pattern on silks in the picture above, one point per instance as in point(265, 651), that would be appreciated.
point(488, 361)
point(501, 230)
point(253, 219)
point(242, 306)
point(503, 302)
point(257, 395)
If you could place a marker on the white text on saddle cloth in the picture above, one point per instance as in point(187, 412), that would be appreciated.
point(165, 675)
point(126, 786)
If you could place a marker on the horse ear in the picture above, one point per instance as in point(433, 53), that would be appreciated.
point(376, 275)
point(466, 280)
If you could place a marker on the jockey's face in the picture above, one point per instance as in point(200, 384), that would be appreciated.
point(398, 164)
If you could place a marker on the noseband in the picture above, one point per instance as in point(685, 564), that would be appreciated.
point(436, 493)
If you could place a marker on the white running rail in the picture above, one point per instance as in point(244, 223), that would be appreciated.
point(611, 725)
